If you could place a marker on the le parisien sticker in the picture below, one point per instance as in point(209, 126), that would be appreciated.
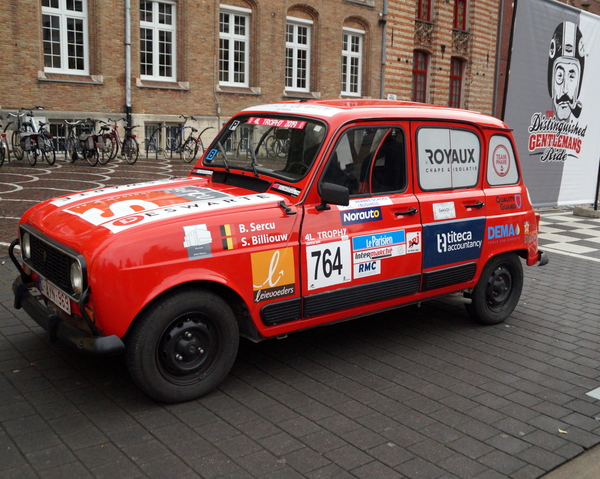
point(273, 274)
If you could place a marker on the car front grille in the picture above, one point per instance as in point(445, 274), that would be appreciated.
point(51, 263)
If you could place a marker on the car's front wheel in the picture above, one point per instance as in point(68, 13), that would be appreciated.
point(498, 291)
point(183, 345)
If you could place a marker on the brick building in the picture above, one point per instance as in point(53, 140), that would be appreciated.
point(211, 58)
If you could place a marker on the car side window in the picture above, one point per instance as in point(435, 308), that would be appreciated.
point(369, 160)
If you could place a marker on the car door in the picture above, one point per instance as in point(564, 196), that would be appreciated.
point(449, 190)
point(366, 254)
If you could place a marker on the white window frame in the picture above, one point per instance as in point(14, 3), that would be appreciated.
point(296, 48)
point(156, 29)
point(348, 86)
point(64, 16)
point(233, 39)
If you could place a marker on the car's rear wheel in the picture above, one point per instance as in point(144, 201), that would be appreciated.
point(183, 345)
point(498, 291)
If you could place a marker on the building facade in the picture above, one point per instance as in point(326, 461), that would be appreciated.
point(159, 59)
point(442, 52)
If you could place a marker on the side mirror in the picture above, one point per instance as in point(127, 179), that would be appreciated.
point(333, 194)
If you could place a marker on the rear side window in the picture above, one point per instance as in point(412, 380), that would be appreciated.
point(502, 165)
point(448, 158)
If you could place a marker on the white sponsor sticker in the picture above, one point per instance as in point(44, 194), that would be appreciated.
point(444, 211)
point(187, 208)
point(367, 203)
point(111, 189)
point(329, 264)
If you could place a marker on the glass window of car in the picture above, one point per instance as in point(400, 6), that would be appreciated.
point(502, 165)
point(369, 160)
point(448, 158)
point(277, 145)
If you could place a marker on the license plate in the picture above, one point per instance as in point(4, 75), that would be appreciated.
point(57, 297)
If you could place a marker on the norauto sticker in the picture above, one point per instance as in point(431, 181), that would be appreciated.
point(277, 122)
point(363, 215)
point(102, 191)
point(273, 274)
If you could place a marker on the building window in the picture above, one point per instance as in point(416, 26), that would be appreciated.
point(352, 45)
point(234, 46)
point(419, 77)
point(65, 36)
point(456, 73)
point(423, 10)
point(297, 54)
point(157, 40)
point(460, 14)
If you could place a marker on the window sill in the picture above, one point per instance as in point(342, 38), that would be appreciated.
point(68, 78)
point(363, 3)
point(162, 85)
point(302, 95)
point(238, 90)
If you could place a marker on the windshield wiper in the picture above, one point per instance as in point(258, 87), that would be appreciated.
point(253, 155)
point(222, 150)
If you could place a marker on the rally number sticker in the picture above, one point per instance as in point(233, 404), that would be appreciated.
point(329, 264)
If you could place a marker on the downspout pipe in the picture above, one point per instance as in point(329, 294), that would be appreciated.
point(128, 60)
point(382, 22)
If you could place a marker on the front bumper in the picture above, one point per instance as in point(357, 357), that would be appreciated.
point(58, 329)
point(47, 318)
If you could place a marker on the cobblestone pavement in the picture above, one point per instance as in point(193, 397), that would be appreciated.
point(415, 392)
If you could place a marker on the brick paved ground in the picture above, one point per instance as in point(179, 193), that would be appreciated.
point(416, 392)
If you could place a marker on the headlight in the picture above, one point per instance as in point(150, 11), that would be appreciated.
point(26, 246)
point(76, 277)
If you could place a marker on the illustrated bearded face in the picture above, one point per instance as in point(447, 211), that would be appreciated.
point(565, 87)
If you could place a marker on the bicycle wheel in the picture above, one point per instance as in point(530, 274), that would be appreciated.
point(2, 153)
point(189, 150)
point(91, 156)
point(48, 151)
point(15, 141)
point(31, 156)
point(131, 150)
point(106, 152)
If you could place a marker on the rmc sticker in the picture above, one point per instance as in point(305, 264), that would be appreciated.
point(273, 274)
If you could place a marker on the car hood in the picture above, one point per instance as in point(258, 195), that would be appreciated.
point(99, 214)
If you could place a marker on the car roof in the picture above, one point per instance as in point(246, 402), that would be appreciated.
point(344, 110)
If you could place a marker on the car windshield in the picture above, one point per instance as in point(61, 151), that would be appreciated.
point(276, 145)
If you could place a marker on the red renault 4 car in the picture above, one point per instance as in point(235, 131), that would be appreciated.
point(298, 214)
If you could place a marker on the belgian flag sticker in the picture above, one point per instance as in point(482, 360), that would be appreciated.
point(227, 240)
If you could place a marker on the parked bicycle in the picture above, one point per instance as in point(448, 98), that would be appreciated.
point(193, 145)
point(46, 143)
point(36, 144)
point(152, 144)
point(129, 147)
point(186, 146)
point(106, 141)
point(22, 126)
point(72, 146)
point(4, 149)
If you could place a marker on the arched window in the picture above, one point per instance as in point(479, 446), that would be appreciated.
point(234, 46)
point(352, 59)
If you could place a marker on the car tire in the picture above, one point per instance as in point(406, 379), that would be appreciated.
point(183, 345)
point(498, 291)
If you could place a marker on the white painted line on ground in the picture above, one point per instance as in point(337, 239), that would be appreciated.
point(566, 253)
point(595, 393)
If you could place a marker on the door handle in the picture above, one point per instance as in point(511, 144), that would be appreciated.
point(411, 211)
point(479, 204)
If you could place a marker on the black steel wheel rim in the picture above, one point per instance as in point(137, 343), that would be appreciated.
point(188, 348)
point(499, 288)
